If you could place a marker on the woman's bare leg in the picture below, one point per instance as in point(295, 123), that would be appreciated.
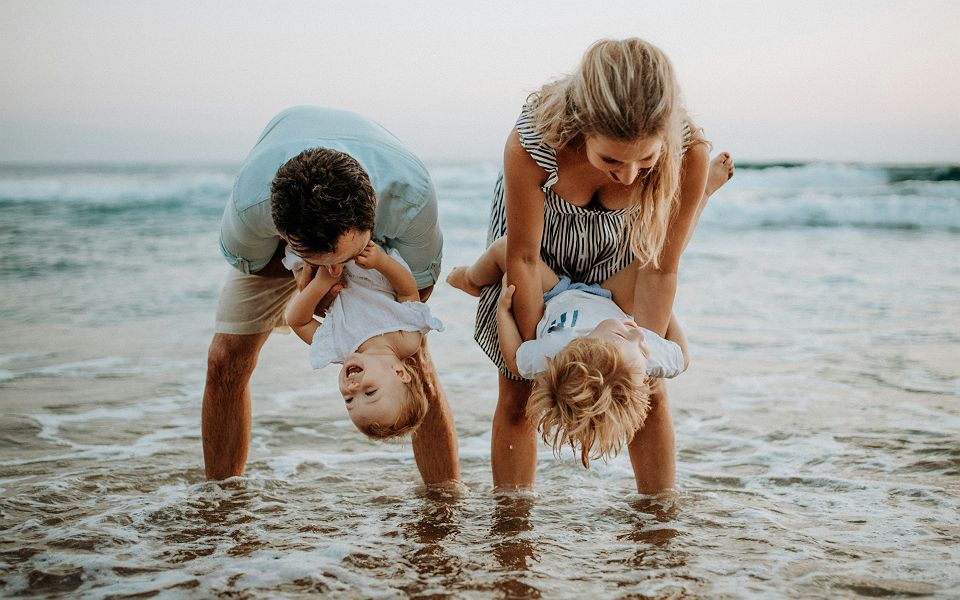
point(653, 448)
point(514, 444)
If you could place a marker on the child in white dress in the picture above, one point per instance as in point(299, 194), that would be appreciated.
point(373, 328)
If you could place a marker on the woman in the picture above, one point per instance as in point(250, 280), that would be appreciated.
point(604, 170)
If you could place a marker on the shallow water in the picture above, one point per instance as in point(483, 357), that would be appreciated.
point(818, 433)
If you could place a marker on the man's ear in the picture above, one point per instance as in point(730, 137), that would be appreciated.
point(402, 373)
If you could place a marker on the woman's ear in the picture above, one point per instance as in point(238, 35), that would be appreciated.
point(402, 373)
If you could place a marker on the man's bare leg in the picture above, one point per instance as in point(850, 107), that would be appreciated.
point(435, 441)
point(514, 444)
point(226, 414)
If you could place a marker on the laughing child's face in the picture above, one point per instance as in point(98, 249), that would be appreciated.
point(373, 388)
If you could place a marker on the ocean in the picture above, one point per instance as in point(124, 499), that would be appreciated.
point(818, 427)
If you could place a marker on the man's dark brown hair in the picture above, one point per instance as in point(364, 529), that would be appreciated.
point(319, 195)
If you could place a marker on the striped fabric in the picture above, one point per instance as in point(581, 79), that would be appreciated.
point(586, 245)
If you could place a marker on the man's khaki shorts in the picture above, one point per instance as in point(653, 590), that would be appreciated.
point(251, 304)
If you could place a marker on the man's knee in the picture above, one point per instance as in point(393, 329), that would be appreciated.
point(232, 358)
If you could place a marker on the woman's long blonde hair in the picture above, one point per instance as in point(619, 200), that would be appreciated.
point(624, 90)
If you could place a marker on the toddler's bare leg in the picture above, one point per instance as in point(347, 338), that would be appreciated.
point(489, 268)
point(622, 286)
point(486, 270)
point(721, 170)
point(676, 335)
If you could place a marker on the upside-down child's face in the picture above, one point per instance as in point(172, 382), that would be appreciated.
point(373, 387)
point(628, 339)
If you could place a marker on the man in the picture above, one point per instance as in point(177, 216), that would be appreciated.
point(330, 164)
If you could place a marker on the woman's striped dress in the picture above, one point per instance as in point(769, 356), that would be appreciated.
point(585, 244)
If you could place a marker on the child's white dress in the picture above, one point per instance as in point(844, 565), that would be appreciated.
point(366, 308)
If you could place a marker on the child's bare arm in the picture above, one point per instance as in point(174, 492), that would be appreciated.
point(508, 333)
point(372, 257)
point(676, 335)
point(300, 309)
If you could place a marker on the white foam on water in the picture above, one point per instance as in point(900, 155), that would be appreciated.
point(151, 442)
point(287, 464)
point(113, 189)
point(19, 356)
point(86, 369)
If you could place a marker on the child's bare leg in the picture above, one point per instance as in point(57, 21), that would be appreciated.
point(676, 335)
point(489, 268)
point(486, 270)
point(721, 170)
point(622, 286)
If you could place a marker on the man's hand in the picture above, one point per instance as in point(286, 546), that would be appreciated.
point(370, 257)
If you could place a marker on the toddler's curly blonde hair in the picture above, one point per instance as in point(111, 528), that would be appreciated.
point(590, 398)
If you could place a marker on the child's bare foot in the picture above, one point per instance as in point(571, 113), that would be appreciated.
point(459, 279)
point(721, 170)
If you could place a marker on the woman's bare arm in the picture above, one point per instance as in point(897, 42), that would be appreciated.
point(523, 200)
point(657, 286)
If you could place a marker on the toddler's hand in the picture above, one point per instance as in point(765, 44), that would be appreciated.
point(327, 300)
point(370, 257)
point(505, 302)
point(335, 271)
point(304, 274)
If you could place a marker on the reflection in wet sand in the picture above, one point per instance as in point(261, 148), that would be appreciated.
point(514, 546)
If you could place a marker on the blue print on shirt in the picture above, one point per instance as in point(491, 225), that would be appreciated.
point(561, 322)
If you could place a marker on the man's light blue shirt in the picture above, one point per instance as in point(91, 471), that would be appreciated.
point(406, 202)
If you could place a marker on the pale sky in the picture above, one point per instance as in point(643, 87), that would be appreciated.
point(857, 80)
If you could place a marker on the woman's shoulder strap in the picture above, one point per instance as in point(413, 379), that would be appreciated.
point(533, 143)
